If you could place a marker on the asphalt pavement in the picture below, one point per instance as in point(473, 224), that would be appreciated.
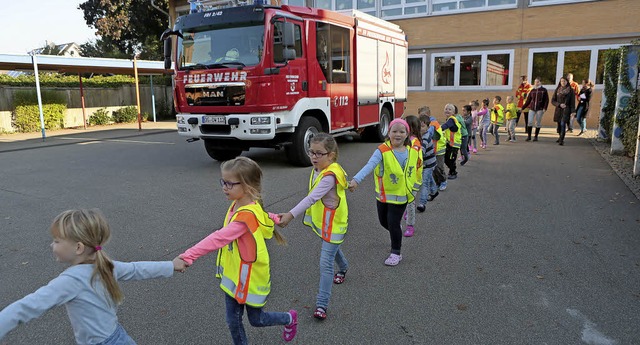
point(533, 244)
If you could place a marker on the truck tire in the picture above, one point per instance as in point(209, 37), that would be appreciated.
point(297, 150)
point(379, 132)
point(220, 154)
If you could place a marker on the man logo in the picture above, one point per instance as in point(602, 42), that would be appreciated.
point(213, 94)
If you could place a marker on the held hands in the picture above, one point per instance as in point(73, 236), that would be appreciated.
point(285, 218)
point(179, 265)
point(353, 185)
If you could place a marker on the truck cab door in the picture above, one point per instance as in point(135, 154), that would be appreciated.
point(334, 53)
point(290, 82)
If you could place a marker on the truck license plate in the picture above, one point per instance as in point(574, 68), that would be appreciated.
point(214, 119)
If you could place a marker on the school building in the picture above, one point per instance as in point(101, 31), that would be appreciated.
point(463, 50)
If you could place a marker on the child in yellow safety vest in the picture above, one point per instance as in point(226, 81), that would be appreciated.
point(511, 115)
point(497, 118)
point(325, 212)
point(394, 164)
point(416, 144)
point(243, 259)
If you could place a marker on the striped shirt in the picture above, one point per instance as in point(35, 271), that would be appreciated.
point(428, 153)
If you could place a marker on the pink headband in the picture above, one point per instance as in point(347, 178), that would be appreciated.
point(400, 121)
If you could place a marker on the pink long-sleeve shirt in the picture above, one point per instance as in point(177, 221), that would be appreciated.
point(325, 190)
point(219, 239)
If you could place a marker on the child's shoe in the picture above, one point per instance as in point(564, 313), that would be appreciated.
point(433, 196)
point(422, 207)
point(443, 185)
point(291, 329)
point(393, 260)
point(475, 150)
point(320, 313)
point(409, 231)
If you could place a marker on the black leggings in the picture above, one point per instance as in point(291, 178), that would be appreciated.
point(390, 217)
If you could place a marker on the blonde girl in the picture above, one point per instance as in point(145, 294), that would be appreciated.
point(394, 163)
point(89, 287)
point(243, 264)
point(416, 144)
point(326, 200)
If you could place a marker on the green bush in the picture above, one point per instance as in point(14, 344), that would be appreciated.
point(26, 114)
point(100, 117)
point(126, 115)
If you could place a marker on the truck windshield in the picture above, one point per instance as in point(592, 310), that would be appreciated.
point(221, 48)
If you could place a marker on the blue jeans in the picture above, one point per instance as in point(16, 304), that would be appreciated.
point(330, 253)
point(429, 185)
point(118, 337)
point(484, 128)
point(581, 116)
point(257, 318)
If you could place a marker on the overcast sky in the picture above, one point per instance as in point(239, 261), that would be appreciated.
point(28, 24)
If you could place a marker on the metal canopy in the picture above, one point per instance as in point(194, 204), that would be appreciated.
point(81, 65)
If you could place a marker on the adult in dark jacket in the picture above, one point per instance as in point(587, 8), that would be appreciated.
point(584, 97)
point(564, 99)
point(537, 102)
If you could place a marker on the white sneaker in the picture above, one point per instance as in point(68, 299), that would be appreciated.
point(393, 260)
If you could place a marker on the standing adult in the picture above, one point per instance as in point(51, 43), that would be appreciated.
point(576, 90)
point(521, 96)
point(537, 102)
point(565, 102)
point(584, 97)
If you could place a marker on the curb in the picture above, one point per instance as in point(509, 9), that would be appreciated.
point(633, 183)
point(156, 131)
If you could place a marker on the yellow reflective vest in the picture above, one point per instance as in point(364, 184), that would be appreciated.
point(497, 115)
point(439, 146)
point(329, 224)
point(454, 139)
point(417, 145)
point(243, 265)
point(394, 185)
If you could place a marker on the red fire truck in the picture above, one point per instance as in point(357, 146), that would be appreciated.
point(273, 76)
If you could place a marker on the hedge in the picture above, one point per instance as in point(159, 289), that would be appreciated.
point(60, 80)
point(26, 114)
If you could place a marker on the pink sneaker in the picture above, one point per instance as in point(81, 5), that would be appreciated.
point(409, 231)
point(291, 329)
point(475, 150)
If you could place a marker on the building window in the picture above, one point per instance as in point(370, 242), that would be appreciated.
point(416, 72)
point(583, 62)
point(554, 2)
point(545, 66)
point(492, 69)
point(397, 9)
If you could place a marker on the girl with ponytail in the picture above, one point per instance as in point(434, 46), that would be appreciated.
point(89, 287)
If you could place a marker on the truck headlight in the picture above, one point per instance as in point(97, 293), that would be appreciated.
point(181, 120)
point(261, 120)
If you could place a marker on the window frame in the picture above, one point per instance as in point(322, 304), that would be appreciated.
point(537, 3)
point(483, 70)
point(593, 62)
point(423, 64)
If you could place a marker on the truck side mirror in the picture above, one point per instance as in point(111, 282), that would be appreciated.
point(289, 41)
point(167, 53)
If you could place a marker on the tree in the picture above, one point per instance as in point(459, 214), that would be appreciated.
point(130, 26)
point(50, 49)
point(102, 48)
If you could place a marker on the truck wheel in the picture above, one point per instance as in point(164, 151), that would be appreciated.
point(220, 154)
point(379, 132)
point(297, 151)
